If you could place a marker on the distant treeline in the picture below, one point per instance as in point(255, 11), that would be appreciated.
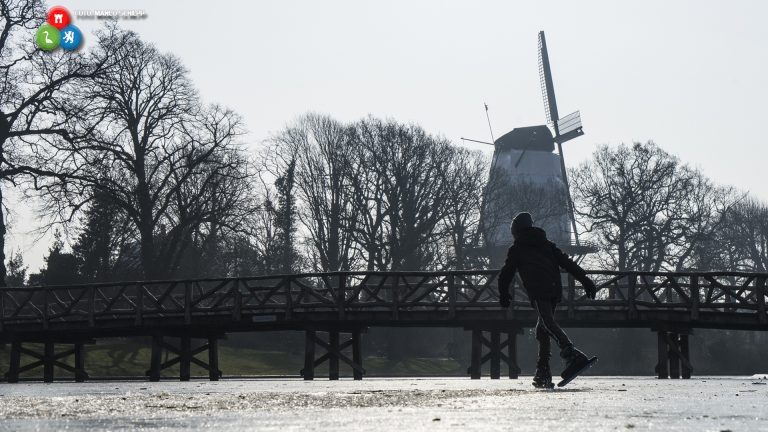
point(649, 211)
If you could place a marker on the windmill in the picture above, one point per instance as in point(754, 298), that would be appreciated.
point(566, 128)
point(526, 175)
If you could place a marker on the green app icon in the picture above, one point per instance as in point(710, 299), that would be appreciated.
point(47, 37)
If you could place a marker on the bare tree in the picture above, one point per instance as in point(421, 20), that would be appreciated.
point(266, 240)
point(465, 181)
point(402, 189)
point(700, 217)
point(325, 166)
point(140, 137)
point(629, 199)
point(368, 183)
point(29, 80)
point(211, 204)
point(378, 194)
point(741, 243)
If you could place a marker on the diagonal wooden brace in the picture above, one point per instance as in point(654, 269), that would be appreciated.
point(48, 360)
point(333, 353)
point(184, 356)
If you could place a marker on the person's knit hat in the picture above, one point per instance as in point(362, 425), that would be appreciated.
point(521, 221)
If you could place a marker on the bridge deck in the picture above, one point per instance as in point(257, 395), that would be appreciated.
point(669, 303)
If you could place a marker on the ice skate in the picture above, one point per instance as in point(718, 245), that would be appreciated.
point(576, 362)
point(543, 377)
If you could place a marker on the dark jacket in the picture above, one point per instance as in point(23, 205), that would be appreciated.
point(538, 260)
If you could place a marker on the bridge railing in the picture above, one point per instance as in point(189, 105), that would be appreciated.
point(396, 293)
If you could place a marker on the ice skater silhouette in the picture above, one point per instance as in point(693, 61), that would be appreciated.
point(538, 261)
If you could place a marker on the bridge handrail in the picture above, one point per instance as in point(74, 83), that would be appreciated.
point(394, 292)
point(378, 273)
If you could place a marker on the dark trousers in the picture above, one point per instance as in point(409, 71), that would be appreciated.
point(547, 327)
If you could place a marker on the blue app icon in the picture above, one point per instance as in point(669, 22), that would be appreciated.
point(71, 38)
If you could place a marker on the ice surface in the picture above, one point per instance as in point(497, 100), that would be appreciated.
point(589, 403)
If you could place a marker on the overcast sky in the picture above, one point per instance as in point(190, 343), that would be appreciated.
point(690, 75)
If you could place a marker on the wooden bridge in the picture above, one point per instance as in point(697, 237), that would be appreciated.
point(347, 303)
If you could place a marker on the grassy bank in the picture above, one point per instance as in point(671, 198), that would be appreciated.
point(127, 358)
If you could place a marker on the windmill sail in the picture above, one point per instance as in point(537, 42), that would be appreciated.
point(569, 127)
point(566, 128)
point(547, 87)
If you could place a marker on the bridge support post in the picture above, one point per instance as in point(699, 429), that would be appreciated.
point(674, 354)
point(687, 369)
point(184, 355)
point(213, 359)
point(309, 355)
point(357, 374)
point(185, 358)
point(495, 355)
point(15, 363)
point(495, 352)
point(514, 369)
point(674, 358)
point(476, 362)
point(48, 360)
point(155, 357)
point(334, 352)
point(662, 367)
point(80, 375)
point(333, 355)
point(48, 353)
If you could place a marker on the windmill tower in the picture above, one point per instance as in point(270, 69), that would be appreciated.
point(526, 175)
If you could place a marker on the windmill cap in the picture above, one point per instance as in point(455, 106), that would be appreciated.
point(537, 138)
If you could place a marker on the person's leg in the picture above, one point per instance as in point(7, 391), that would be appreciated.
point(546, 309)
point(543, 376)
point(542, 337)
point(575, 360)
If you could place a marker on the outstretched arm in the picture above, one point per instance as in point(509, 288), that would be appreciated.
point(505, 277)
point(564, 261)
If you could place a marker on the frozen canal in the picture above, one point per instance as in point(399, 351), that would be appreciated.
point(590, 403)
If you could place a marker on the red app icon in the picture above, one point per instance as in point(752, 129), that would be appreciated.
point(59, 17)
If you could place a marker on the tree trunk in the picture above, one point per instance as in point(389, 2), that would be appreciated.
point(145, 223)
point(148, 262)
point(2, 241)
point(5, 129)
point(622, 252)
